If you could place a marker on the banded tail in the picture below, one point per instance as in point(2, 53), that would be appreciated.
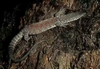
point(12, 45)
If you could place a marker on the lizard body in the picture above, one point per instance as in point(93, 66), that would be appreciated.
point(39, 27)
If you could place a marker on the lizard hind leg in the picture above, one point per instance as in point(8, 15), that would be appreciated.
point(26, 33)
point(27, 37)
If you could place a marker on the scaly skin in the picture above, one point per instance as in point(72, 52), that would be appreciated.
point(42, 26)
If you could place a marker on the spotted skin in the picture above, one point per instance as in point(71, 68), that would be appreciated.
point(39, 27)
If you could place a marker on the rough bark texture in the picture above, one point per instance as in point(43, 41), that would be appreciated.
point(77, 46)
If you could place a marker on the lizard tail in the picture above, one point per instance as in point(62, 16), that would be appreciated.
point(14, 43)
